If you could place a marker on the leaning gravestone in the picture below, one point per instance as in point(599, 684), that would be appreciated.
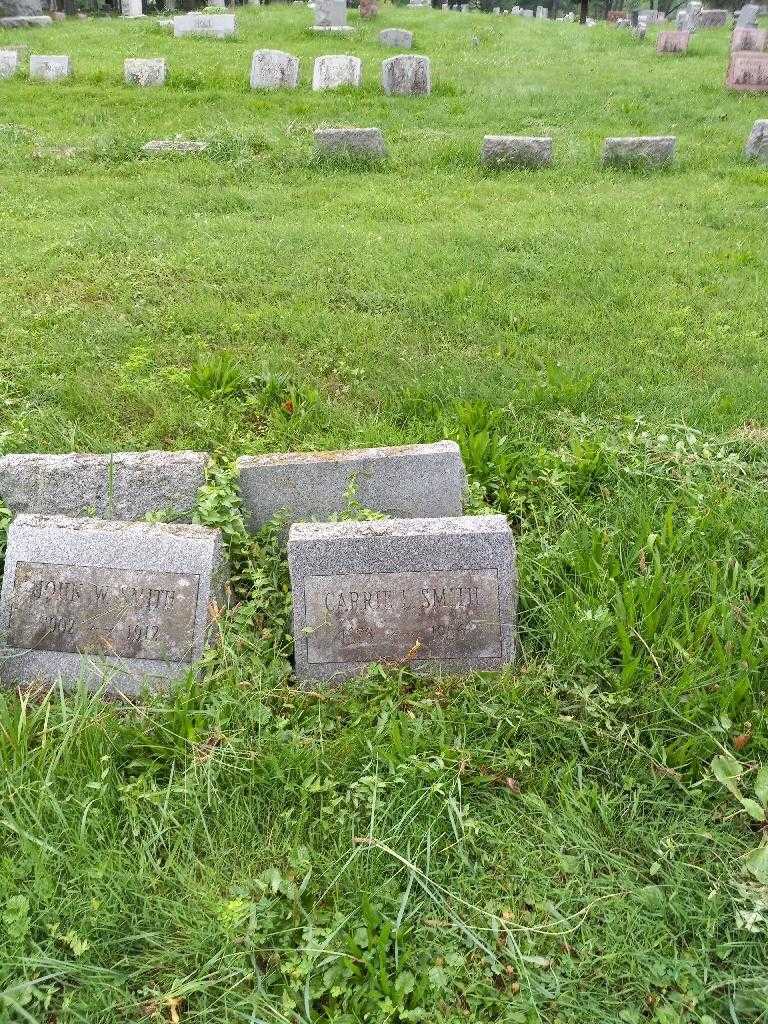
point(358, 142)
point(9, 63)
point(673, 42)
point(408, 74)
point(46, 68)
point(635, 150)
point(218, 25)
point(121, 603)
point(754, 39)
point(516, 151)
point(409, 481)
point(333, 70)
point(748, 72)
point(127, 485)
point(144, 71)
point(433, 595)
point(274, 69)
point(23, 14)
point(757, 143)
point(331, 16)
point(398, 37)
point(747, 16)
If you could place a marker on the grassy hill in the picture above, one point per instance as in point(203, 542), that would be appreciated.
point(576, 840)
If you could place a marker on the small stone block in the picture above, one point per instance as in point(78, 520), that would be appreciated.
point(121, 603)
point(49, 68)
point(748, 72)
point(334, 70)
point(651, 150)
point(407, 74)
point(143, 71)
point(359, 142)
point(672, 42)
point(433, 595)
point(274, 69)
point(9, 63)
point(415, 481)
point(127, 485)
point(400, 38)
point(516, 151)
point(757, 143)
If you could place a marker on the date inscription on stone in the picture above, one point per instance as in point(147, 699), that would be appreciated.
point(403, 616)
point(121, 613)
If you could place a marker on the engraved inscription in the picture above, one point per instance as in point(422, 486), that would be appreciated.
point(748, 72)
point(121, 613)
point(403, 616)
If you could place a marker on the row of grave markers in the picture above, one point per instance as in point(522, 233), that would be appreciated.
point(92, 592)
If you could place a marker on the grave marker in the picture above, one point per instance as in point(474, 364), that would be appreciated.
point(273, 69)
point(516, 151)
point(9, 63)
point(757, 143)
point(220, 26)
point(360, 142)
point(747, 16)
point(408, 74)
point(673, 42)
point(398, 37)
point(408, 481)
point(748, 72)
point(435, 595)
point(45, 68)
point(144, 71)
point(333, 70)
point(754, 39)
point(331, 16)
point(651, 150)
point(121, 602)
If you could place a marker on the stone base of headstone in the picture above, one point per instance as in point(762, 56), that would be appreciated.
point(158, 147)
point(640, 150)
point(511, 151)
point(366, 143)
point(38, 21)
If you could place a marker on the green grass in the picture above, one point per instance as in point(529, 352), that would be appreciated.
point(548, 844)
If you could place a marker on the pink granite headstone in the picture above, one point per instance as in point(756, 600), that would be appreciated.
point(754, 39)
point(672, 42)
point(748, 72)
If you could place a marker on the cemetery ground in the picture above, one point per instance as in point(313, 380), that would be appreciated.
point(581, 838)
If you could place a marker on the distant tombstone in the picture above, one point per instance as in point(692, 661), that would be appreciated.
point(159, 147)
point(368, 8)
point(23, 14)
point(46, 68)
point(406, 75)
point(144, 71)
point(331, 16)
point(672, 42)
point(757, 143)
point(642, 150)
point(126, 485)
point(526, 13)
point(747, 16)
point(430, 595)
point(713, 18)
point(217, 25)
point(613, 16)
point(9, 63)
point(116, 603)
point(748, 72)
point(416, 481)
point(217, 3)
point(497, 10)
point(131, 8)
point(510, 151)
point(333, 70)
point(273, 69)
point(367, 143)
point(542, 12)
point(755, 39)
point(398, 37)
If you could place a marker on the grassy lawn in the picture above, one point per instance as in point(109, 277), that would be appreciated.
point(580, 839)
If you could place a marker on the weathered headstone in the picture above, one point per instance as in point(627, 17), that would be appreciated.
point(48, 68)
point(542, 12)
point(757, 143)
point(9, 63)
point(368, 8)
point(613, 16)
point(673, 42)
point(331, 16)
point(754, 39)
point(398, 37)
point(408, 74)
point(358, 142)
point(23, 14)
point(273, 69)
point(158, 147)
point(131, 8)
point(433, 595)
point(144, 71)
point(747, 16)
point(218, 25)
point(333, 70)
point(127, 485)
point(516, 151)
point(101, 601)
point(649, 150)
point(409, 481)
point(713, 18)
point(748, 72)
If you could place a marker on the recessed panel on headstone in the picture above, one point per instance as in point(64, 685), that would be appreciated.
point(406, 481)
point(433, 595)
point(125, 603)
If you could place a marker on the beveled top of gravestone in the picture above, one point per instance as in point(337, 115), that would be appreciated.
point(409, 481)
point(84, 598)
point(434, 594)
point(126, 485)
